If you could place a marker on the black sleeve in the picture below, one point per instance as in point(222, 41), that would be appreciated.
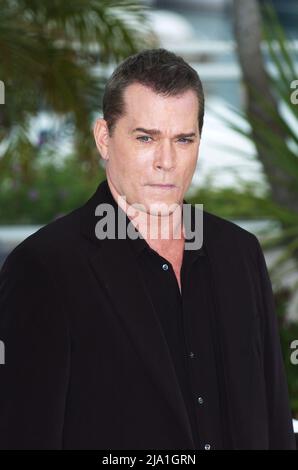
point(35, 341)
point(281, 434)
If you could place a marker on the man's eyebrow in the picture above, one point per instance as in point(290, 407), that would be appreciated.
point(158, 132)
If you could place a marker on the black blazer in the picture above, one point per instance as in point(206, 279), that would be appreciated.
point(86, 364)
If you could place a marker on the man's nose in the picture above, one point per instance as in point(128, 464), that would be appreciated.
point(165, 158)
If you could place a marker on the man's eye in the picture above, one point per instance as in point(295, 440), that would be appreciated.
point(186, 140)
point(143, 137)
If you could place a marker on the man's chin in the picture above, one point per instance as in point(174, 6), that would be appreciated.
point(161, 208)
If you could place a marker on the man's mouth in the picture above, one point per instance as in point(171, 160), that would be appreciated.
point(162, 186)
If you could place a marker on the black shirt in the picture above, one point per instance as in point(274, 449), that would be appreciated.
point(186, 319)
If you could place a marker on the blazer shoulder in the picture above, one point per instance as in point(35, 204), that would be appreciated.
point(229, 233)
point(51, 240)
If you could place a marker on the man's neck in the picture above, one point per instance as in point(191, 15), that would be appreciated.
point(162, 232)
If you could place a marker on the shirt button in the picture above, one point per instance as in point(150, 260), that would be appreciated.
point(207, 447)
point(165, 267)
point(191, 355)
point(200, 400)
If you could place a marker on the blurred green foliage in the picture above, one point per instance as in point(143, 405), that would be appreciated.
point(53, 191)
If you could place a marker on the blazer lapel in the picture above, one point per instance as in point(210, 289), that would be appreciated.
point(116, 268)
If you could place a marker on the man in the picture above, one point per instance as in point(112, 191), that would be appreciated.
point(116, 342)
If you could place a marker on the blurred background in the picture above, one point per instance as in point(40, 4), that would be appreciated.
point(55, 57)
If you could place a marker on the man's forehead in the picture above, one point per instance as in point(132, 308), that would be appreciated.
point(141, 116)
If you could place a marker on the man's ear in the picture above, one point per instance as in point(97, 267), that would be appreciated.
point(101, 137)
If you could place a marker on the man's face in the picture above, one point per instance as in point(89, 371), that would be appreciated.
point(139, 160)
